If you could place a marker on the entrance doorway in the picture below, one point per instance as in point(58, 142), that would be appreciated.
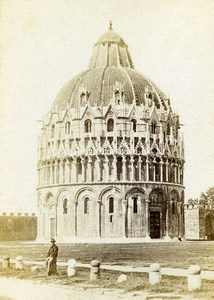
point(155, 224)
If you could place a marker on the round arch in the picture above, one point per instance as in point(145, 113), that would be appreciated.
point(112, 189)
point(134, 190)
point(47, 198)
point(62, 192)
point(84, 190)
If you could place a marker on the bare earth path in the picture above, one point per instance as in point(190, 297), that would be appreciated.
point(17, 289)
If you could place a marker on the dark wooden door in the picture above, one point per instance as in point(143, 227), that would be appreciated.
point(155, 224)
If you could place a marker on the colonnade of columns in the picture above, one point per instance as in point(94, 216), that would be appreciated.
point(109, 168)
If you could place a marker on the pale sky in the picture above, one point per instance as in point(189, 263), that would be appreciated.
point(44, 43)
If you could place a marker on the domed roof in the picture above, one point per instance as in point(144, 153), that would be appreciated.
point(110, 36)
point(110, 69)
point(100, 84)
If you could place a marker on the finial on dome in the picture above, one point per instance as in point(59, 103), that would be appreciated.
point(110, 25)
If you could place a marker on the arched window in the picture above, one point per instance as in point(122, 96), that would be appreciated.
point(110, 125)
point(87, 125)
point(134, 125)
point(153, 127)
point(67, 128)
point(65, 206)
point(52, 131)
point(111, 205)
point(86, 205)
point(173, 207)
point(135, 208)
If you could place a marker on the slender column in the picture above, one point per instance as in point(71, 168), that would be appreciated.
point(132, 168)
point(182, 174)
point(179, 174)
point(161, 171)
point(98, 218)
point(147, 169)
point(46, 174)
point(175, 173)
point(51, 174)
point(147, 138)
point(75, 216)
point(124, 207)
point(74, 170)
point(139, 168)
point(61, 171)
point(105, 169)
point(167, 171)
point(42, 176)
point(124, 168)
point(83, 168)
point(132, 143)
point(67, 171)
point(114, 165)
point(147, 219)
point(55, 172)
point(39, 173)
point(167, 222)
point(97, 168)
point(89, 173)
point(154, 177)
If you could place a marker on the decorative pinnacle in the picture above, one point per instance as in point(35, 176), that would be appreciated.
point(110, 25)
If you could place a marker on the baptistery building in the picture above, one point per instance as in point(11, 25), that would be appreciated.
point(110, 155)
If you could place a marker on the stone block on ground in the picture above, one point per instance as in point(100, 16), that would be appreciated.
point(6, 262)
point(122, 278)
point(71, 268)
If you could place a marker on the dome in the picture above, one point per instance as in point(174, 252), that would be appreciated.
point(110, 66)
point(110, 37)
point(101, 84)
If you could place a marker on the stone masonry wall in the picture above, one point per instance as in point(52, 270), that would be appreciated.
point(18, 227)
point(192, 223)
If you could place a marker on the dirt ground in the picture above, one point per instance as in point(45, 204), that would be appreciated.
point(80, 287)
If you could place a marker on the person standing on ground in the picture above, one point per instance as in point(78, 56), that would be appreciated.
point(52, 258)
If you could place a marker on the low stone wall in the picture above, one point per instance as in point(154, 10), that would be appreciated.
point(18, 227)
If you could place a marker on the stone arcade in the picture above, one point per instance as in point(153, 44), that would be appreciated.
point(110, 155)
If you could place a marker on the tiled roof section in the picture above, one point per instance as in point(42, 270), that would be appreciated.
point(64, 96)
point(100, 84)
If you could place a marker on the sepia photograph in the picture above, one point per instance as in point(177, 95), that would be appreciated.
point(106, 149)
